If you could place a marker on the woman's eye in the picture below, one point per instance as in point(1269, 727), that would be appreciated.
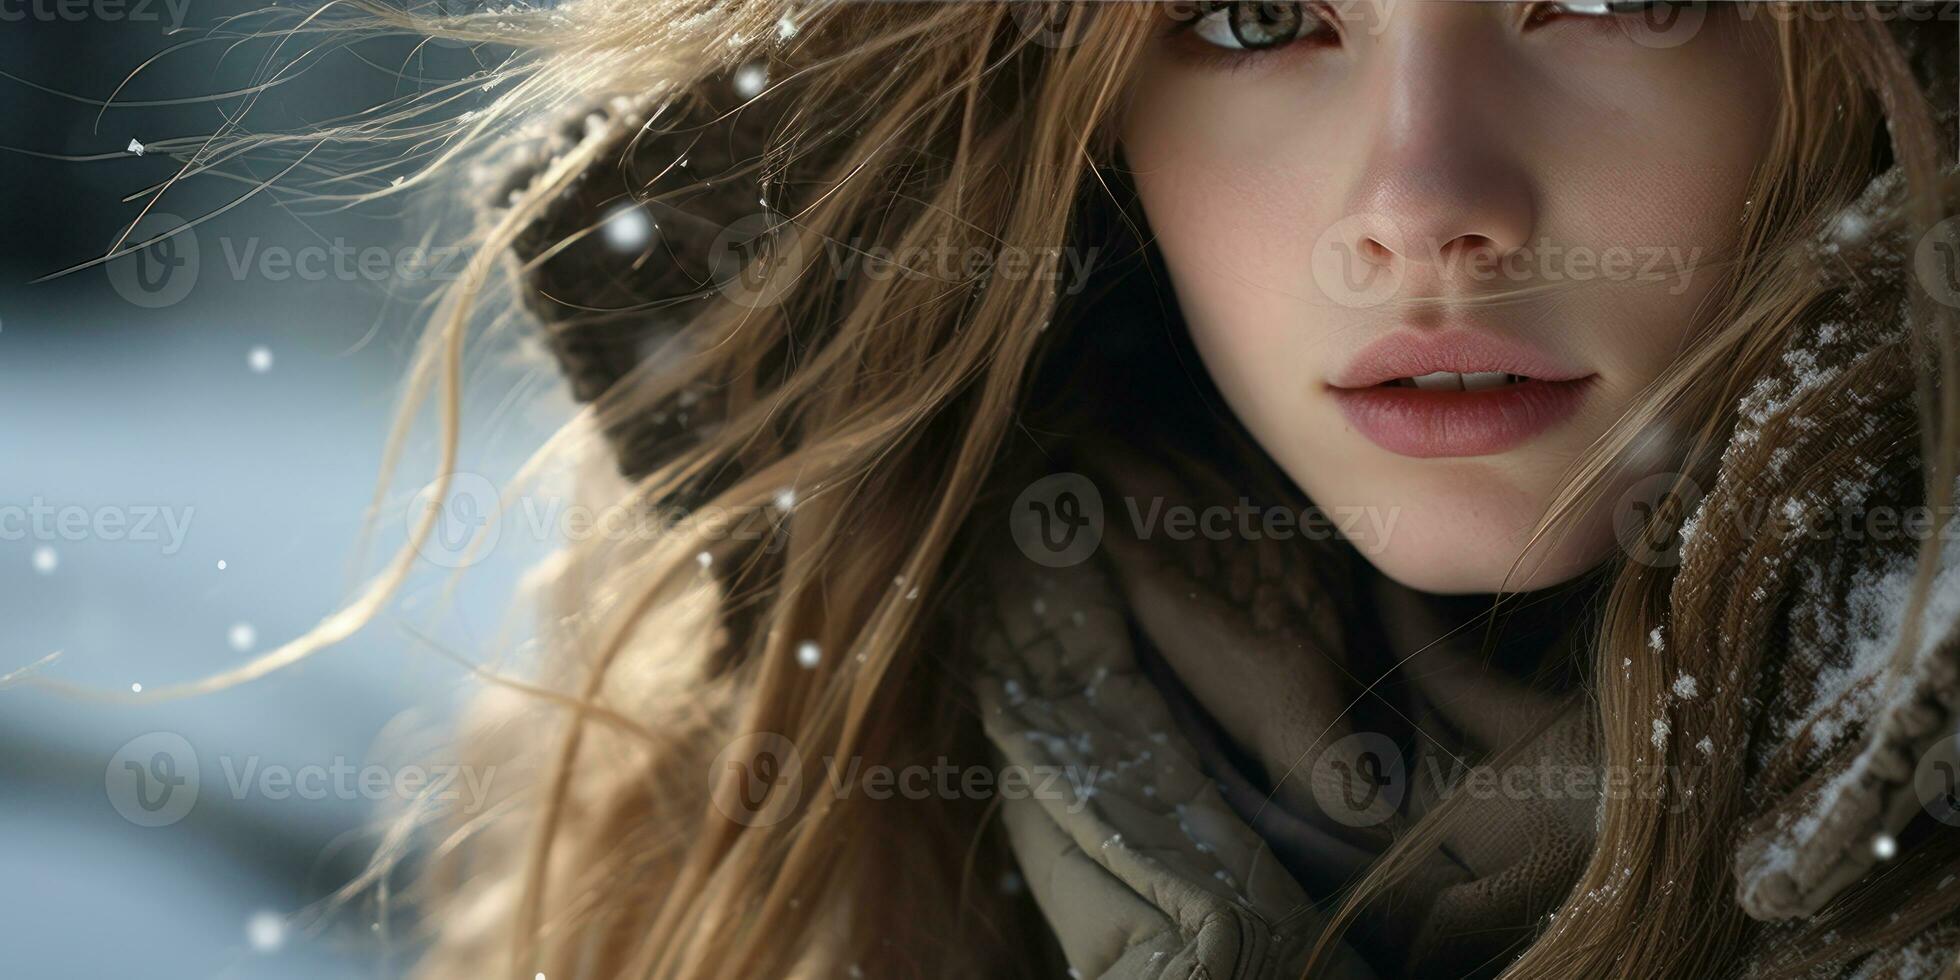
point(1545, 12)
point(1254, 26)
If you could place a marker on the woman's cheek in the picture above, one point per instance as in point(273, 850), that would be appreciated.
point(1236, 231)
point(1229, 264)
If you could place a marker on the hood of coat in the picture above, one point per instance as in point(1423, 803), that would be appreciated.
point(1134, 856)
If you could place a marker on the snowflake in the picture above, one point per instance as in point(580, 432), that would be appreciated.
point(1685, 686)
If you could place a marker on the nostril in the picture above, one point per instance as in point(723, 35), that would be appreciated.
point(1375, 251)
point(1469, 245)
point(1468, 248)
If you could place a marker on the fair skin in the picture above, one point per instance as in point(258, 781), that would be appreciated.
point(1456, 151)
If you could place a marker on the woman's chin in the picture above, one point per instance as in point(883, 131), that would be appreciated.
point(1451, 554)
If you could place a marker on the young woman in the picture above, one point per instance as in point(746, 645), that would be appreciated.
point(1232, 490)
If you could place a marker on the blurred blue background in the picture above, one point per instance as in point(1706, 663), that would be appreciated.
point(251, 412)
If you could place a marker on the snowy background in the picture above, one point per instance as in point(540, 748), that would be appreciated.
point(253, 411)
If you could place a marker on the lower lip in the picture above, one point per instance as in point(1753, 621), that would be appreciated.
point(1428, 424)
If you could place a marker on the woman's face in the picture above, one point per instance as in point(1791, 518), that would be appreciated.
point(1339, 211)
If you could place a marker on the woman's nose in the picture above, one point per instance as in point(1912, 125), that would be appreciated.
point(1437, 180)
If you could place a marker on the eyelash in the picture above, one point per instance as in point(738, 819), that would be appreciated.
point(1612, 8)
point(1316, 21)
point(1319, 25)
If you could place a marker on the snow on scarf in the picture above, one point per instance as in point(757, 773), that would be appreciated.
point(1790, 600)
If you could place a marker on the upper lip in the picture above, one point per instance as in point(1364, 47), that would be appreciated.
point(1407, 354)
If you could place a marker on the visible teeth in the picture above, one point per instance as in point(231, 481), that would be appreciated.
point(1452, 381)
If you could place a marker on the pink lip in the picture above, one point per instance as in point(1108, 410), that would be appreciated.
point(1427, 423)
point(1408, 355)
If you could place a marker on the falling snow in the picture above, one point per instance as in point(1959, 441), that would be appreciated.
point(627, 228)
point(266, 931)
point(259, 359)
point(45, 560)
point(750, 79)
point(242, 636)
point(1685, 686)
point(808, 654)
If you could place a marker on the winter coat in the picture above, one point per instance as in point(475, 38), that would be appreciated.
point(1145, 868)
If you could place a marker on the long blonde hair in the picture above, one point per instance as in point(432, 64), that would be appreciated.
point(870, 416)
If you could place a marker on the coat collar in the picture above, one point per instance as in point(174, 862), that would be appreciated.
point(1133, 855)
